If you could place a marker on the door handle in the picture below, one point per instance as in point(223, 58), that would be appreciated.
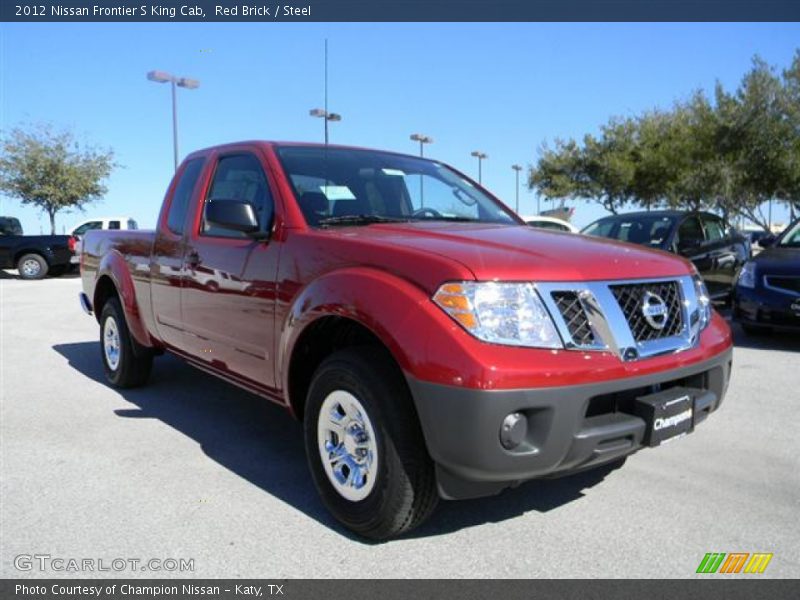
point(193, 259)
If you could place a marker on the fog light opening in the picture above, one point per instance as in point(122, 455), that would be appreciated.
point(513, 430)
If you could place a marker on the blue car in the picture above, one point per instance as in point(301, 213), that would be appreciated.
point(767, 293)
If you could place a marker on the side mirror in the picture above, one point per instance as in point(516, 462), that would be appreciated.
point(236, 215)
point(767, 241)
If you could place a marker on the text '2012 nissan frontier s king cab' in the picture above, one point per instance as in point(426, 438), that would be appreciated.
point(433, 345)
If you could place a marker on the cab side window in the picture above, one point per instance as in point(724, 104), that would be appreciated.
point(240, 177)
point(715, 228)
point(690, 232)
point(183, 193)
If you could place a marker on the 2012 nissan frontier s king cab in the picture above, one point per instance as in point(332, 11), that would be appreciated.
point(433, 345)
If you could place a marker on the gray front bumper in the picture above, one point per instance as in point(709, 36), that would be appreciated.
point(462, 426)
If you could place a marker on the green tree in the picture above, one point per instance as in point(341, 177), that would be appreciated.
point(733, 154)
point(599, 169)
point(789, 188)
point(51, 170)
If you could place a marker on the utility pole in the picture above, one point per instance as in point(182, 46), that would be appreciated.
point(480, 156)
point(517, 169)
point(422, 139)
point(184, 82)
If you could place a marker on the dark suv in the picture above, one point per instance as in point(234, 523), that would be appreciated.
point(717, 250)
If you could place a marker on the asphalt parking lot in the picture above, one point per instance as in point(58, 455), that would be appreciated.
point(192, 468)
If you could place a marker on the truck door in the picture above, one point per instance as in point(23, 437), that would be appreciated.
point(722, 249)
point(166, 262)
point(228, 299)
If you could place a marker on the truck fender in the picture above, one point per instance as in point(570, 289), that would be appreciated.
point(114, 267)
point(377, 300)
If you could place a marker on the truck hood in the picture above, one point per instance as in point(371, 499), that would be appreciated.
point(522, 253)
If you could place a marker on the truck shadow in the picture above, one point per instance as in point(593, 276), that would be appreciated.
point(12, 274)
point(260, 442)
point(767, 340)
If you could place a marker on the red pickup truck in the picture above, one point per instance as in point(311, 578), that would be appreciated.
point(433, 344)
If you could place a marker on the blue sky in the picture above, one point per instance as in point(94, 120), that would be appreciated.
point(500, 88)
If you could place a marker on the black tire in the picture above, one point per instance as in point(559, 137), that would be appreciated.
point(32, 266)
point(404, 491)
point(133, 363)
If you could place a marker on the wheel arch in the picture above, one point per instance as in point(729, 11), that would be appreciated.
point(114, 280)
point(37, 251)
point(351, 307)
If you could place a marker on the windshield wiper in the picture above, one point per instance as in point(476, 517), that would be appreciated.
point(359, 220)
point(451, 218)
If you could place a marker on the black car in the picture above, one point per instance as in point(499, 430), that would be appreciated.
point(717, 250)
point(34, 256)
point(767, 292)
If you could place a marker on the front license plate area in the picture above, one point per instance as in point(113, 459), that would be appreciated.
point(668, 414)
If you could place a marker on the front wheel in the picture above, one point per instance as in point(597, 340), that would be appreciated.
point(126, 364)
point(365, 447)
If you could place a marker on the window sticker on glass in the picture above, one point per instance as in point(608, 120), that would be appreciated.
point(337, 192)
point(393, 172)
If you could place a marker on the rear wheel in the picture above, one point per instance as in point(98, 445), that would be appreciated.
point(365, 447)
point(125, 362)
point(32, 266)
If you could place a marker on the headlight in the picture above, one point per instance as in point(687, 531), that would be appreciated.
point(747, 276)
point(703, 301)
point(501, 313)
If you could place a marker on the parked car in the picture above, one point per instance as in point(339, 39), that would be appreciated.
point(717, 250)
point(34, 256)
point(551, 223)
point(768, 288)
point(436, 349)
point(101, 223)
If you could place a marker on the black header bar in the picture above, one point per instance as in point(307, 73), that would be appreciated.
point(276, 11)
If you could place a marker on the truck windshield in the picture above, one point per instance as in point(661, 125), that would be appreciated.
point(343, 186)
point(637, 229)
point(792, 237)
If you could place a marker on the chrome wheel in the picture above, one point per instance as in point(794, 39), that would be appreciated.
point(347, 445)
point(111, 345)
point(30, 267)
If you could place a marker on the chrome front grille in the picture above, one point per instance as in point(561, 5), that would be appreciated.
point(575, 317)
point(632, 299)
point(633, 319)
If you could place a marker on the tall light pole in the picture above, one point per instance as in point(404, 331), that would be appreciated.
point(324, 114)
point(517, 169)
point(422, 139)
point(184, 82)
point(480, 156)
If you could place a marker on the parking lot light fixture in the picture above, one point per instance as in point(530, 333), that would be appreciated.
point(480, 156)
point(326, 117)
point(517, 169)
point(184, 82)
point(422, 139)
